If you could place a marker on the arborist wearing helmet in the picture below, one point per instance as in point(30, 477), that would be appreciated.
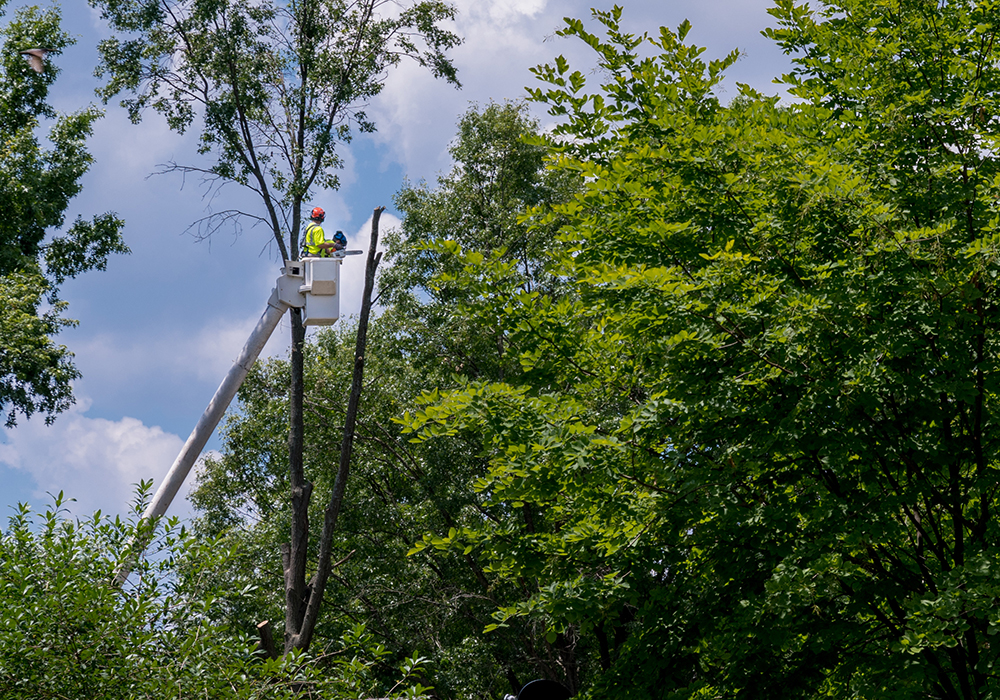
point(316, 244)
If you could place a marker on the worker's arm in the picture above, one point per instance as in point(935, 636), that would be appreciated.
point(330, 247)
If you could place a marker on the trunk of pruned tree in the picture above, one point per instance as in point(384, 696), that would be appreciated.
point(303, 599)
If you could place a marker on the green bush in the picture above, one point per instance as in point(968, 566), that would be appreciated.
point(67, 632)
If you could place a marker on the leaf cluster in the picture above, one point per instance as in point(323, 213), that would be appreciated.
point(67, 632)
point(755, 429)
point(273, 87)
point(37, 182)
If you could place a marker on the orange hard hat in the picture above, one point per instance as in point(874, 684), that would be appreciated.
point(318, 213)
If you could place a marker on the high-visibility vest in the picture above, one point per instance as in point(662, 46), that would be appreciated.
point(314, 237)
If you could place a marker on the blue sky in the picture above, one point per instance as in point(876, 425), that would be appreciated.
point(159, 329)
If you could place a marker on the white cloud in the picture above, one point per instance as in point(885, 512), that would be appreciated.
point(97, 23)
point(93, 460)
point(504, 11)
point(352, 274)
point(498, 12)
point(203, 356)
point(211, 354)
point(416, 113)
point(143, 352)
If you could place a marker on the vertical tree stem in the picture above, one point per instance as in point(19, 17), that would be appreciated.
point(302, 639)
point(295, 562)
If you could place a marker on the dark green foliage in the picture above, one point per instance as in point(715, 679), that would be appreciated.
point(36, 186)
point(66, 632)
point(756, 429)
point(430, 603)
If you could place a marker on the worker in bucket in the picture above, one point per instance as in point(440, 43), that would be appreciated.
point(316, 244)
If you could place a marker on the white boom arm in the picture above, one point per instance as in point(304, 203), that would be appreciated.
point(311, 284)
point(216, 409)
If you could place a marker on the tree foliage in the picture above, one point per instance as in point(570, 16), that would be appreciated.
point(37, 183)
point(275, 88)
point(756, 428)
point(66, 632)
point(498, 173)
point(435, 601)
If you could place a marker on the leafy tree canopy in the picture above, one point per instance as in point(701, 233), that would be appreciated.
point(436, 601)
point(66, 632)
point(498, 172)
point(756, 429)
point(36, 185)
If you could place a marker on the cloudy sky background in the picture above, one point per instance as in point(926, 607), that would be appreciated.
point(159, 329)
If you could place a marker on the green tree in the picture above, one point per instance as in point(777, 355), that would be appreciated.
point(758, 426)
point(498, 173)
point(36, 185)
point(274, 88)
point(435, 601)
point(65, 632)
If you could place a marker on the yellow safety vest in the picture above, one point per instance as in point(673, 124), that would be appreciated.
point(314, 237)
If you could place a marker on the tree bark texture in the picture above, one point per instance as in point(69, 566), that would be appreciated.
point(301, 637)
point(294, 555)
point(266, 644)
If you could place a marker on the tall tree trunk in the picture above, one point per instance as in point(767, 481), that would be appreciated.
point(304, 632)
point(293, 554)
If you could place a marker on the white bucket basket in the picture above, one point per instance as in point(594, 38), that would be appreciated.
point(321, 289)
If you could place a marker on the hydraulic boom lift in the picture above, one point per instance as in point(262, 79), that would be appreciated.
point(311, 284)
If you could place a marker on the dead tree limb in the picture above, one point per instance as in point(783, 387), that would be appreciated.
point(303, 637)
